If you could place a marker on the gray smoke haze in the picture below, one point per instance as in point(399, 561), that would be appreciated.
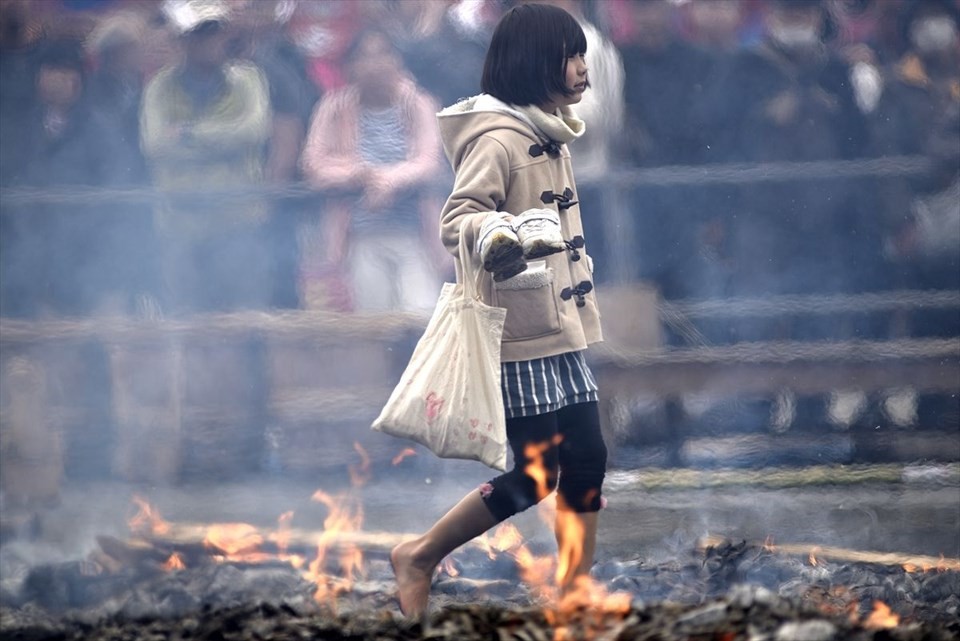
point(214, 428)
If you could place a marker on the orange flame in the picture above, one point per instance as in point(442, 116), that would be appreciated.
point(505, 538)
point(345, 517)
point(448, 568)
point(402, 455)
point(534, 570)
point(813, 556)
point(941, 566)
point(233, 539)
point(768, 544)
point(282, 536)
point(570, 528)
point(175, 562)
point(360, 474)
point(881, 617)
point(556, 579)
point(536, 469)
point(147, 519)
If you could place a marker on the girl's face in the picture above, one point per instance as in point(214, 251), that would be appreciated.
point(576, 82)
point(375, 64)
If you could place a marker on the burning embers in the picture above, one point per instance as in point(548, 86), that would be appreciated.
point(334, 559)
point(337, 552)
point(238, 581)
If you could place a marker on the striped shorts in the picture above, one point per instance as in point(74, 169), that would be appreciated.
point(546, 384)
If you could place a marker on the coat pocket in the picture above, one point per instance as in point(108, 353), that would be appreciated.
point(531, 303)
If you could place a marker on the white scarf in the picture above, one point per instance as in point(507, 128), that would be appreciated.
point(562, 126)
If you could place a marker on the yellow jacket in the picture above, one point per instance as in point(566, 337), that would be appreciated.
point(221, 147)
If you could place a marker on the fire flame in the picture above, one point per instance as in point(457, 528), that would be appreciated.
point(506, 538)
point(768, 544)
point(881, 617)
point(175, 562)
point(243, 542)
point(570, 544)
point(536, 469)
point(575, 597)
point(941, 566)
point(147, 520)
point(360, 474)
point(344, 518)
point(402, 455)
point(447, 567)
point(282, 536)
point(233, 539)
point(813, 556)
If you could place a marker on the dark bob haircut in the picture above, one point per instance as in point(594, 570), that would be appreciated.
point(527, 60)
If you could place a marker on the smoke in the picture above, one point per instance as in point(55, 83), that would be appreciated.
point(220, 424)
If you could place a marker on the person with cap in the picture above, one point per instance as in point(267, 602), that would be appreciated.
point(127, 247)
point(204, 123)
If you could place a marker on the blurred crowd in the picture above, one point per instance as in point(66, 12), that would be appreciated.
point(203, 100)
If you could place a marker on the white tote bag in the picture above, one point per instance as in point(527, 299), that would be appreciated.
point(449, 398)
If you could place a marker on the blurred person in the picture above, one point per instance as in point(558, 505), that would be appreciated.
point(857, 21)
point(128, 244)
point(713, 25)
point(160, 46)
point(715, 34)
point(675, 109)
point(323, 31)
point(59, 259)
point(873, 24)
point(115, 95)
point(263, 38)
point(116, 89)
point(52, 252)
point(204, 123)
point(375, 137)
point(797, 104)
point(507, 146)
point(919, 114)
point(18, 50)
point(439, 50)
point(863, 39)
point(595, 155)
point(658, 93)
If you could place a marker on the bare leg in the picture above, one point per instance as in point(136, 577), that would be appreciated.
point(415, 561)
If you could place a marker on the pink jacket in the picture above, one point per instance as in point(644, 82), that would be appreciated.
point(331, 157)
point(330, 154)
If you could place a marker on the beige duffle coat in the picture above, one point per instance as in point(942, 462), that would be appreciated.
point(511, 159)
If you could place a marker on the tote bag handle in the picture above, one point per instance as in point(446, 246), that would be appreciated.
point(471, 282)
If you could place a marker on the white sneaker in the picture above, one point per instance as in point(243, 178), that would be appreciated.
point(539, 233)
point(499, 247)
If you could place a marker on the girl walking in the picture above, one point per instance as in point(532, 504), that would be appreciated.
point(515, 201)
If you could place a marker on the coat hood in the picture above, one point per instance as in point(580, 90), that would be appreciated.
point(462, 123)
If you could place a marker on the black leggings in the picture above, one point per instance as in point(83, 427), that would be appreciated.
point(570, 446)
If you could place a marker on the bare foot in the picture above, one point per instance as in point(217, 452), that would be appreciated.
point(413, 582)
